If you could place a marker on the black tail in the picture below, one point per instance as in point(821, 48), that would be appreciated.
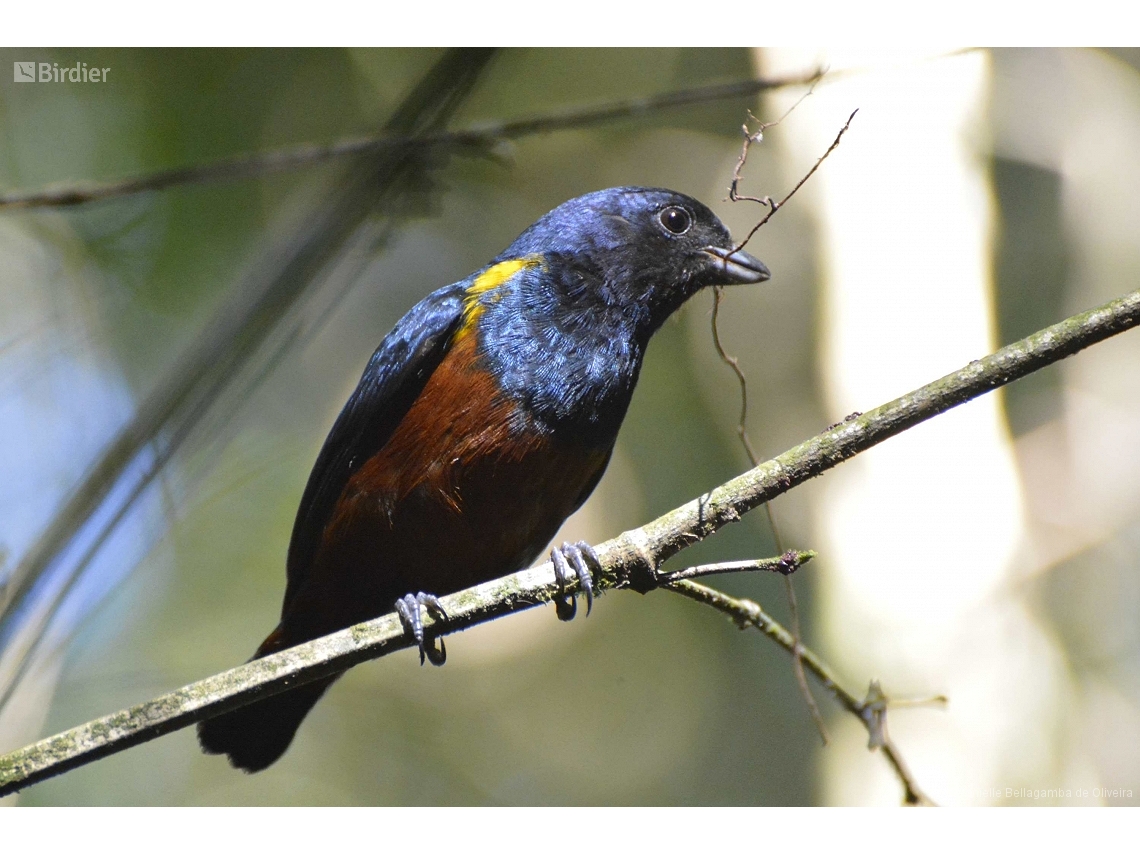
point(255, 736)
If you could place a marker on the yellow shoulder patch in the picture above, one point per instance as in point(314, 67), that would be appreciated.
point(489, 280)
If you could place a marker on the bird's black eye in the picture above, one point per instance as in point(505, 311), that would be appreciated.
point(675, 220)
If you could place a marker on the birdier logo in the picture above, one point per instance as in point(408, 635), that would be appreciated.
point(51, 72)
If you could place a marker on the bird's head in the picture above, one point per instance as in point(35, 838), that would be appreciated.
point(639, 247)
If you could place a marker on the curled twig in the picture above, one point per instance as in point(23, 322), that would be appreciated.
point(775, 206)
point(757, 136)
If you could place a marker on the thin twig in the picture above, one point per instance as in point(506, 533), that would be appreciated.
point(789, 588)
point(751, 137)
point(733, 363)
point(797, 659)
point(479, 139)
point(757, 136)
point(629, 560)
point(775, 206)
point(786, 564)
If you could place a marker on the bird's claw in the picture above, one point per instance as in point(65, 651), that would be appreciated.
point(574, 561)
point(408, 609)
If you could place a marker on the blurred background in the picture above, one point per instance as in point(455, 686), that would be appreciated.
point(171, 361)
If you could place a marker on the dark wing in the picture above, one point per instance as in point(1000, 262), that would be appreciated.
point(394, 378)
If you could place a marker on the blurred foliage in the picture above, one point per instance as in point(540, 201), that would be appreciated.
point(649, 701)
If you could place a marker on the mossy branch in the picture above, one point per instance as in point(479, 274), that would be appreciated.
point(315, 659)
point(628, 561)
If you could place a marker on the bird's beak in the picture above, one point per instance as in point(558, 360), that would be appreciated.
point(737, 268)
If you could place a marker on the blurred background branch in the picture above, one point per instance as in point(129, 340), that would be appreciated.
point(480, 140)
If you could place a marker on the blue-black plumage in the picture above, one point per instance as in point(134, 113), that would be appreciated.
point(484, 419)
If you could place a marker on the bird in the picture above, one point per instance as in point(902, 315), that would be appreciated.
point(482, 421)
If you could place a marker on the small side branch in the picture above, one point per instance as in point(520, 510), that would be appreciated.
point(872, 711)
point(785, 565)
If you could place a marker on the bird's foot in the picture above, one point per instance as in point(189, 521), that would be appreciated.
point(408, 608)
point(574, 561)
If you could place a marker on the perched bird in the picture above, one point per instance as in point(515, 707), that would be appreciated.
point(483, 420)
